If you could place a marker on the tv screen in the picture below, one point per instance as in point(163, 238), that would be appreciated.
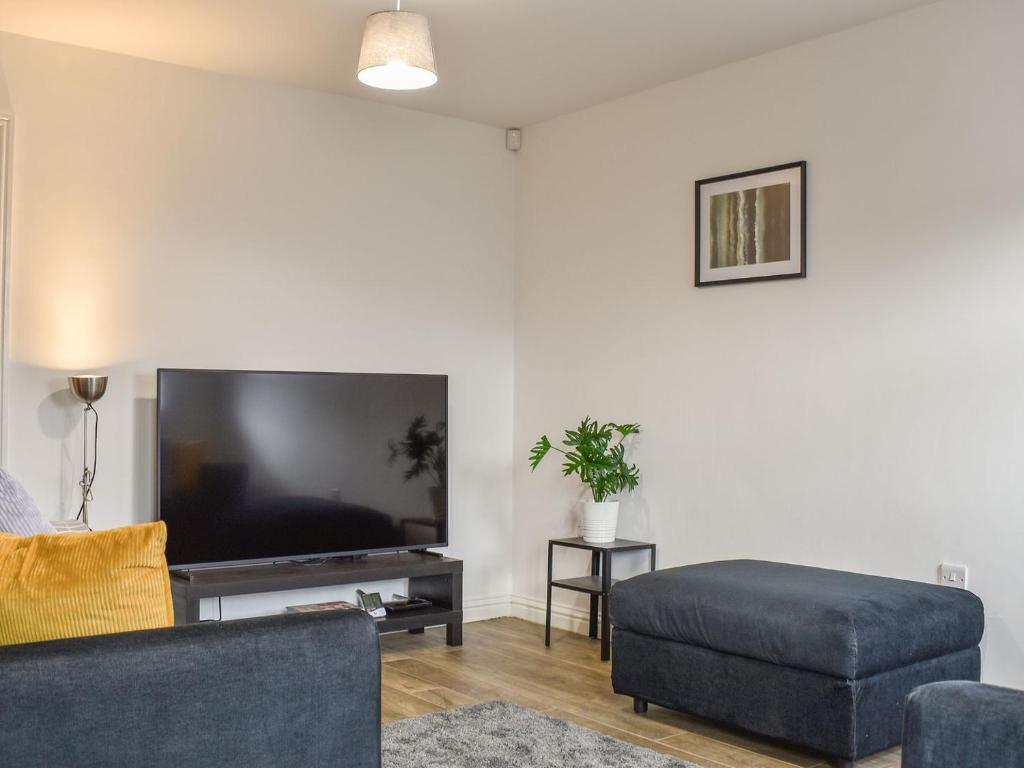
point(259, 466)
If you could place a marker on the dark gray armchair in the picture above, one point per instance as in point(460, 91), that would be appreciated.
point(963, 725)
point(288, 690)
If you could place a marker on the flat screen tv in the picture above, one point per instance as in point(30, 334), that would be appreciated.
point(257, 466)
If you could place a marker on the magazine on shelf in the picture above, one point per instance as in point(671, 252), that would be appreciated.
point(337, 605)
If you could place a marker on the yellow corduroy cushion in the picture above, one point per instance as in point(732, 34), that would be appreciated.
point(56, 585)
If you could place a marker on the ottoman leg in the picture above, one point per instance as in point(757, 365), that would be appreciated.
point(639, 705)
point(842, 763)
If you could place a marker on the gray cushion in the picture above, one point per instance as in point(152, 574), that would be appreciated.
point(18, 512)
point(964, 725)
point(846, 625)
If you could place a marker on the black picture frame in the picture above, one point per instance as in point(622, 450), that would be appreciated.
point(699, 280)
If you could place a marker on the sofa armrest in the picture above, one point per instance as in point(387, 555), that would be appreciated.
point(963, 725)
point(287, 690)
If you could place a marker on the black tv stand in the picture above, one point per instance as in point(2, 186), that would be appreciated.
point(431, 575)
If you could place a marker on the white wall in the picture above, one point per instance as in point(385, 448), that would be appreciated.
point(870, 417)
point(169, 217)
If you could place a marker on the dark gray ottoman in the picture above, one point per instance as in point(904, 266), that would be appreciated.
point(964, 725)
point(822, 659)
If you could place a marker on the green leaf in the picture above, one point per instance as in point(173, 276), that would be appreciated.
point(539, 451)
point(573, 463)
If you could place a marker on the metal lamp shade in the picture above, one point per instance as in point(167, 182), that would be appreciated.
point(88, 389)
point(397, 53)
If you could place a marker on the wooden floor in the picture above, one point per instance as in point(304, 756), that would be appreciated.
point(506, 659)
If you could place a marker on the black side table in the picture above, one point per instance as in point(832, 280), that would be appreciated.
point(598, 584)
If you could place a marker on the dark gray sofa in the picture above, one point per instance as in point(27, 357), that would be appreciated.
point(288, 690)
point(964, 725)
point(822, 659)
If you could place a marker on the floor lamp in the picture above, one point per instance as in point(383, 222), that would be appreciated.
point(88, 389)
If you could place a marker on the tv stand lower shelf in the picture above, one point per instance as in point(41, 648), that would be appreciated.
point(436, 578)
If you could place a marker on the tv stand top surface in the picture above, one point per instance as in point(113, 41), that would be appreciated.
point(273, 577)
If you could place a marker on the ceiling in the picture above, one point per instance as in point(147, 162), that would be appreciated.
point(503, 62)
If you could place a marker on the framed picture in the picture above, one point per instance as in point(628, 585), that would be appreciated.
point(752, 226)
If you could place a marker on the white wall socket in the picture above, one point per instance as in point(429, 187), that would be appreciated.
point(953, 575)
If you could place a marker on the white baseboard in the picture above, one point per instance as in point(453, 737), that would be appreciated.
point(568, 617)
point(483, 608)
point(563, 616)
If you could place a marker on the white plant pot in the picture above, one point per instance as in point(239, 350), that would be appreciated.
point(599, 521)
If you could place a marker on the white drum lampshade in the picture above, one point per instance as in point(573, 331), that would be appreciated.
point(397, 53)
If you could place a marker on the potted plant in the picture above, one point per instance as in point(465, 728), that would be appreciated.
point(426, 450)
point(596, 453)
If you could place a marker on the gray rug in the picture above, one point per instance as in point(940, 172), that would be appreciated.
point(503, 735)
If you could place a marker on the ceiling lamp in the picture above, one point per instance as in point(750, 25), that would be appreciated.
point(397, 53)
